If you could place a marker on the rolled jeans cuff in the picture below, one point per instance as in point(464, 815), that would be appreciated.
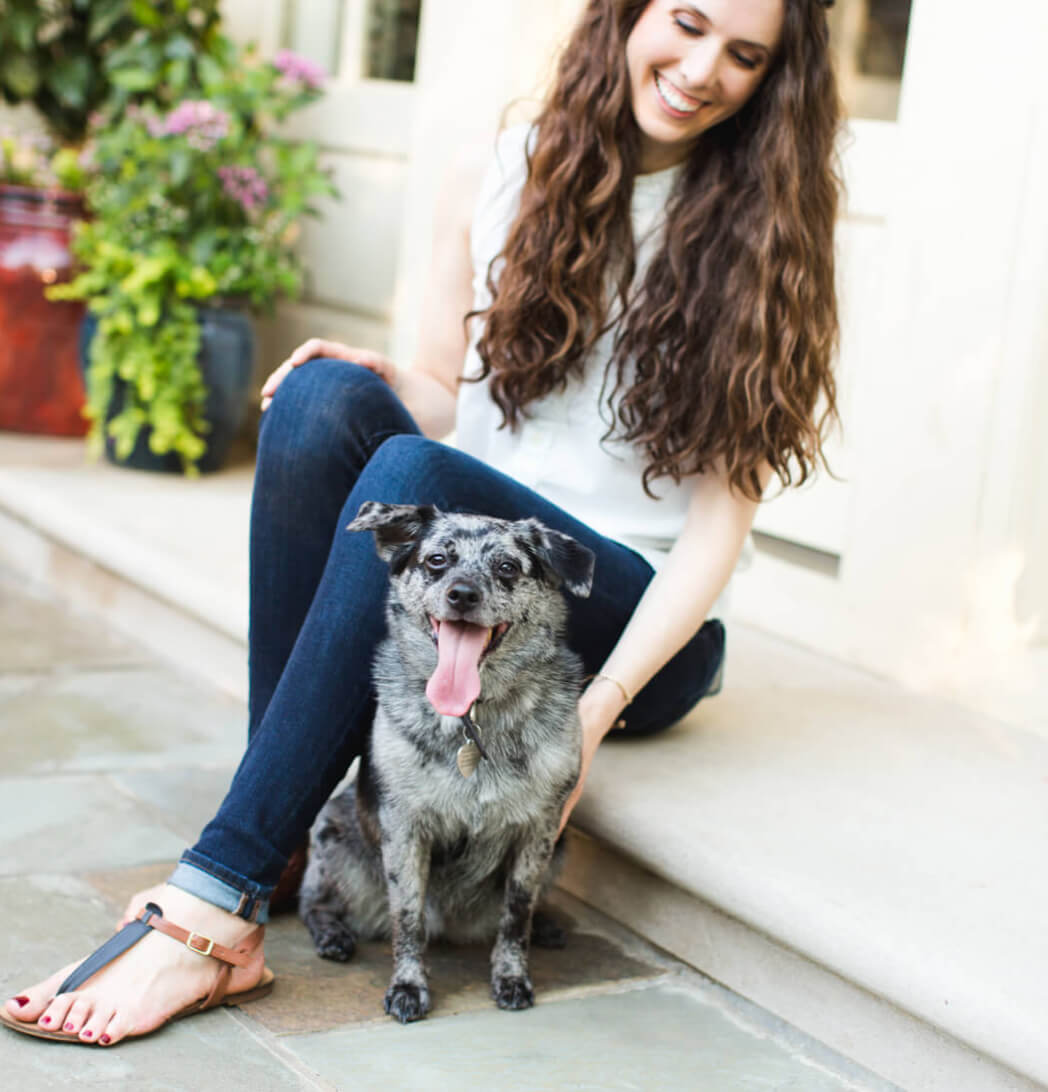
point(213, 883)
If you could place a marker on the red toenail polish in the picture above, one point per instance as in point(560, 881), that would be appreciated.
point(22, 1002)
point(104, 1039)
point(87, 1034)
point(46, 1020)
point(67, 1027)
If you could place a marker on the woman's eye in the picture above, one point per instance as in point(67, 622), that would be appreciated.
point(688, 28)
point(746, 62)
point(436, 561)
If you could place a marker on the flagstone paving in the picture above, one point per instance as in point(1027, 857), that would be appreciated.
point(110, 762)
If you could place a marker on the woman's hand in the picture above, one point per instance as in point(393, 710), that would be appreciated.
point(599, 709)
point(381, 365)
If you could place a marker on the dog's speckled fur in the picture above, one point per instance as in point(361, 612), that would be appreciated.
point(411, 848)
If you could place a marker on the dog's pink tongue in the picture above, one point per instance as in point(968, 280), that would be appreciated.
point(455, 685)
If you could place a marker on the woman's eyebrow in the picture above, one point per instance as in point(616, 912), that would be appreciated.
point(706, 19)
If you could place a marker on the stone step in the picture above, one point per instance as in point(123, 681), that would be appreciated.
point(866, 863)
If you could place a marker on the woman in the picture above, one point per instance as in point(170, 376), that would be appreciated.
point(651, 271)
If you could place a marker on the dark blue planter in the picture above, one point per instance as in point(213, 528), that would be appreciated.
point(227, 347)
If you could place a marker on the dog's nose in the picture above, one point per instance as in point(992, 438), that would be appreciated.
point(462, 595)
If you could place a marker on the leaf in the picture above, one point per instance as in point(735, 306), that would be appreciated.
point(18, 74)
point(149, 311)
point(21, 25)
point(104, 16)
point(70, 79)
point(145, 14)
point(211, 72)
point(132, 79)
point(181, 165)
point(148, 272)
point(179, 46)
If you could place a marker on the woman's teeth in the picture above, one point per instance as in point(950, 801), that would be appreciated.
point(674, 99)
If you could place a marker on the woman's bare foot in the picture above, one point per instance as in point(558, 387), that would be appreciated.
point(149, 983)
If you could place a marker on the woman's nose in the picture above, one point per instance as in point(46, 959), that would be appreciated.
point(700, 67)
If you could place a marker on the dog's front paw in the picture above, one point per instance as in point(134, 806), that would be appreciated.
point(407, 1001)
point(336, 944)
point(332, 937)
point(512, 992)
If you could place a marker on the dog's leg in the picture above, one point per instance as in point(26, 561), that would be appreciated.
point(331, 933)
point(510, 985)
point(406, 862)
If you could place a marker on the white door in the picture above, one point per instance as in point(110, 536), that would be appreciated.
point(363, 125)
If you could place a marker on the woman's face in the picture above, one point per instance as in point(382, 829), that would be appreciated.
point(693, 63)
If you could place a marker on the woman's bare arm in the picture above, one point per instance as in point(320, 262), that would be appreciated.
point(672, 608)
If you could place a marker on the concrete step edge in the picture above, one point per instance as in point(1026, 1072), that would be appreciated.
point(854, 1021)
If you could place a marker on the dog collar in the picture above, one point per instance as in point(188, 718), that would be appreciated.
point(472, 751)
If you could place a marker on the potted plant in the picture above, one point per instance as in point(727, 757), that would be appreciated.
point(195, 212)
point(65, 59)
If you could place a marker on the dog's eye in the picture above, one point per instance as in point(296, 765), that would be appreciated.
point(436, 562)
point(508, 569)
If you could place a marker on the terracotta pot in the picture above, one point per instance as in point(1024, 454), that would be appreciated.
point(41, 389)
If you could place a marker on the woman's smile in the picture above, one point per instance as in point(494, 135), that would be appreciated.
point(675, 101)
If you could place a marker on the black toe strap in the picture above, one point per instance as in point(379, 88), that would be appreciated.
point(116, 945)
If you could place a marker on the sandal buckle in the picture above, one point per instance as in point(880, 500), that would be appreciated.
point(199, 938)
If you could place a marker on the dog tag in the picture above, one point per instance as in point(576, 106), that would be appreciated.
point(468, 758)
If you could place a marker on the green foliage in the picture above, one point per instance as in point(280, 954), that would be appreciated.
point(70, 57)
point(34, 161)
point(197, 205)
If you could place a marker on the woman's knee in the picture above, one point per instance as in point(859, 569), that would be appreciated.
point(316, 403)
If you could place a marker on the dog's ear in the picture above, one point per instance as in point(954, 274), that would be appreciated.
point(395, 525)
point(568, 562)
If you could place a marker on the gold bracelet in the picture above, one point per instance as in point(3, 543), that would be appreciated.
point(610, 678)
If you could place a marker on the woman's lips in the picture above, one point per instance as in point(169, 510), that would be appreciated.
point(675, 102)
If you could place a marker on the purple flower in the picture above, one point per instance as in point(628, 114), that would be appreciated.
point(299, 69)
point(245, 185)
point(199, 121)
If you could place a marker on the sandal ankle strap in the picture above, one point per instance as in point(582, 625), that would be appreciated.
point(152, 916)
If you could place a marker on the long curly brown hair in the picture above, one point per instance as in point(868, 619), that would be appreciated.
point(723, 353)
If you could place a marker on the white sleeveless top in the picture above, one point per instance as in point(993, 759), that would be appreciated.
point(558, 450)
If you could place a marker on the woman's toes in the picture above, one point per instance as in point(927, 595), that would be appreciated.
point(114, 1031)
point(54, 1015)
point(77, 1016)
point(96, 1026)
point(22, 1007)
point(30, 1004)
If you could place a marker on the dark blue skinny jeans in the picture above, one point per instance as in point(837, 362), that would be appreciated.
point(334, 437)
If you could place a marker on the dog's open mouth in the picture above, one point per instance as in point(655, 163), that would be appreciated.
point(455, 685)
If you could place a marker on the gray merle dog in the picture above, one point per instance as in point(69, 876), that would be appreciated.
point(450, 825)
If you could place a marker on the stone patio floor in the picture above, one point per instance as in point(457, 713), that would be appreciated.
point(109, 764)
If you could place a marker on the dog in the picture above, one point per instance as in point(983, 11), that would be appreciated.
point(450, 825)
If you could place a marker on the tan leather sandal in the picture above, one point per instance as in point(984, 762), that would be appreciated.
point(152, 917)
